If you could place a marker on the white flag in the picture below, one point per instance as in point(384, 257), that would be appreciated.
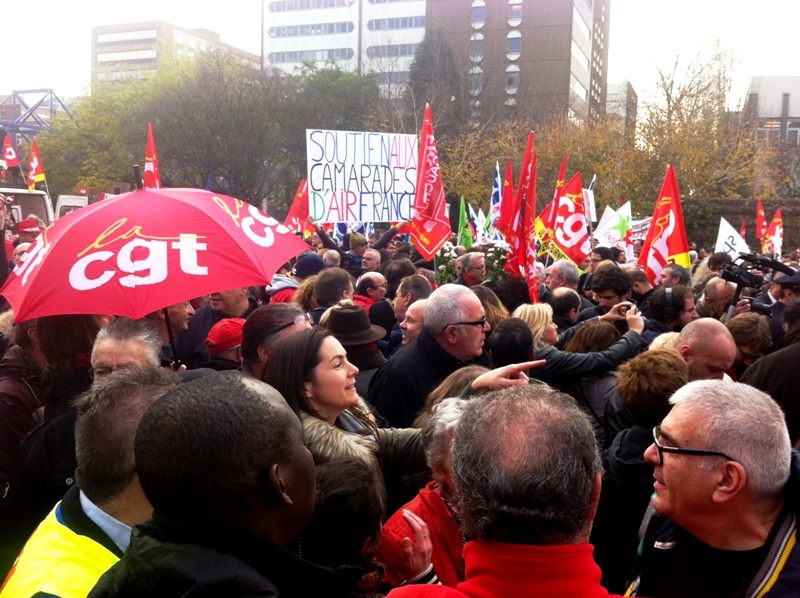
point(615, 231)
point(729, 240)
point(607, 213)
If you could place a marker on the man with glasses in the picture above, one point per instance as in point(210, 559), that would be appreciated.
point(726, 479)
point(453, 333)
point(371, 260)
point(473, 269)
point(264, 328)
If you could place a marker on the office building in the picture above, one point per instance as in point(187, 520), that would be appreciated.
point(537, 57)
point(364, 36)
point(775, 103)
point(134, 50)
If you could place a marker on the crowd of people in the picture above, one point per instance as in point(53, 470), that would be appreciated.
point(354, 429)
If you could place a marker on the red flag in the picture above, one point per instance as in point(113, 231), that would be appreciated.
point(35, 169)
point(296, 218)
point(430, 226)
point(761, 221)
point(9, 154)
point(666, 239)
point(773, 240)
point(516, 258)
point(743, 230)
point(508, 203)
point(528, 196)
point(152, 174)
point(570, 238)
point(562, 174)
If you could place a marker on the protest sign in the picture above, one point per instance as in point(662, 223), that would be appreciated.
point(357, 176)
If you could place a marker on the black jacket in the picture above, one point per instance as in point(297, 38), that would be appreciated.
point(167, 558)
point(776, 375)
point(398, 390)
point(563, 368)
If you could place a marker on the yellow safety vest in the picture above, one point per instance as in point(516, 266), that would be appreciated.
point(57, 561)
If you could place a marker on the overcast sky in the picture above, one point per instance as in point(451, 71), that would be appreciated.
point(51, 46)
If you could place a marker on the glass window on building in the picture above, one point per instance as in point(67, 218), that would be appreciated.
point(512, 79)
point(126, 56)
point(581, 24)
point(579, 56)
point(514, 45)
point(478, 14)
point(514, 12)
point(578, 88)
point(126, 36)
point(293, 5)
point(392, 50)
point(396, 23)
point(476, 47)
point(475, 80)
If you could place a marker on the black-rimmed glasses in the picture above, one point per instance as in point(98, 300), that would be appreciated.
point(481, 323)
point(298, 321)
point(682, 451)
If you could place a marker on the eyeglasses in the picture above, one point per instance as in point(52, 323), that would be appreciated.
point(682, 451)
point(748, 356)
point(298, 321)
point(481, 268)
point(481, 323)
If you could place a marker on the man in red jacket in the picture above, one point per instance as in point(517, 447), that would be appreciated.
point(527, 476)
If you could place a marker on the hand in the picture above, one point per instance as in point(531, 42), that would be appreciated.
point(509, 375)
point(618, 312)
point(634, 319)
point(417, 553)
point(742, 307)
point(180, 368)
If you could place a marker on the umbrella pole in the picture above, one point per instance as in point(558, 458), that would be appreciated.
point(176, 363)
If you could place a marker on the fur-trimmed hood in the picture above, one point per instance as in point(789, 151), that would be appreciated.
point(328, 442)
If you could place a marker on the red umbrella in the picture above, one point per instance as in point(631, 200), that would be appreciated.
point(140, 251)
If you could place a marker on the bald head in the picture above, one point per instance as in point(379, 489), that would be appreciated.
point(717, 296)
point(707, 347)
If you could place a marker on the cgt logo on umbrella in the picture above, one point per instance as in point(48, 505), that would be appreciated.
point(152, 257)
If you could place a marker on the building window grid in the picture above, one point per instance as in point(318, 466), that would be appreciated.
point(310, 56)
point(475, 80)
point(294, 5)
point(126, 36)
point(578, 87)
point(392, 50)
point(126, 56)
point(579, 56)
point(312, 29)
point(393, 78)
point(396, 23)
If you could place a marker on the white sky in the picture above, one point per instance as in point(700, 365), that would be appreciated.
point(52, 44)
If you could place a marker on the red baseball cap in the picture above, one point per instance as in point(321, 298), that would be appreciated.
point(224, 335)
point(29, 225)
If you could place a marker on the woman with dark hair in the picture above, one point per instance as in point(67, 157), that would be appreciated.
point(594, 393)
point(310, 369)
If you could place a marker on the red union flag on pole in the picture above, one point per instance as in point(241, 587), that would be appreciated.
point(743, 230)
point(35, 169)
point(296, 218)
point(773, 240)
point(430, 226)
point(527, 192)
point(508, 203)
point(570, 239)
point(666, 239)
point(761, 221)
point(152, 174)
point(9, 155)
point(515, 261)
point(546, 220)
